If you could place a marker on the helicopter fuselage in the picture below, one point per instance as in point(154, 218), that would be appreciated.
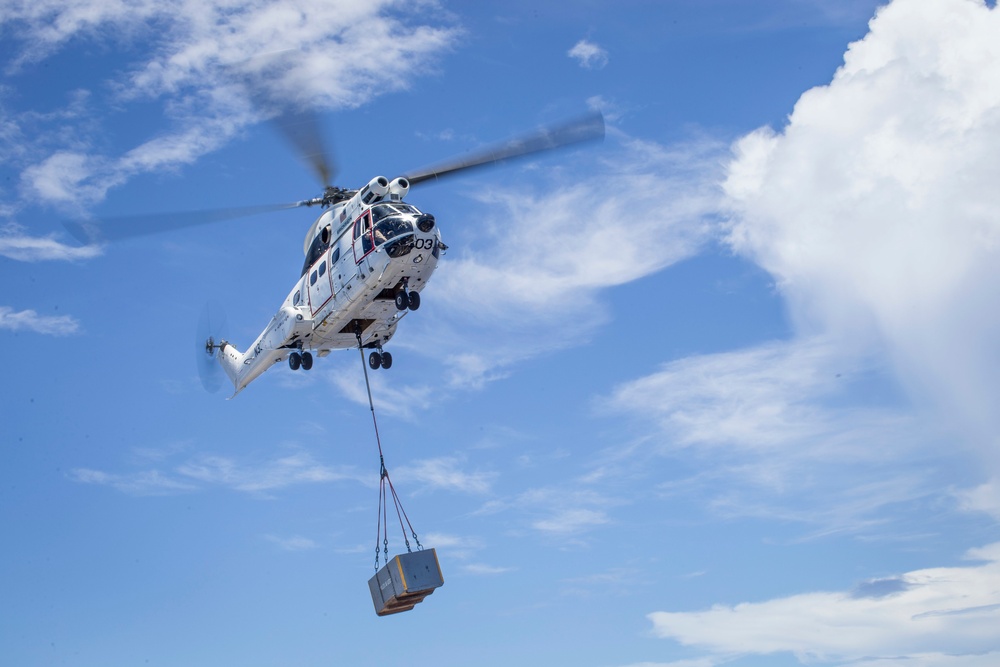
point(367, 258)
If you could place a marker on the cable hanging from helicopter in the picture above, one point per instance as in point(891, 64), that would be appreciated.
point(406, 580)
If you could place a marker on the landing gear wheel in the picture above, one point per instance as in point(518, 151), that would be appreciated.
point(386, 360)
point(374, 360)
point(307, 361)
point(294, 361)
point(414, 300)
point(402, 300)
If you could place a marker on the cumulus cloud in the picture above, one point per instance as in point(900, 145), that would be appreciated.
point(588, 54)
point(875, 208)
point(335, 55)
point(29, 320)
point(875, 211)
point(934, 617)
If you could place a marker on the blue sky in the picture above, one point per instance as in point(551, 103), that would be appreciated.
point(718, 391)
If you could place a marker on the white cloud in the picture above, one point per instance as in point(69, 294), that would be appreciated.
point(296, 468)
point(29, 320)
point(25, 248)
point(294, 543)
point(144, 483)
point(484, 569)
point(255, 477)
point(543, 255)
point(342, 54)
point(934, 617)
point(557, 512)
point(389, 398)
point(875, 208)
point(588, 54)
point(444, 473)
point(785, 434)
point(982, 498)
point(568, 520)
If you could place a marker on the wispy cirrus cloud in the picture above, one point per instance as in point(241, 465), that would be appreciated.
point(556, 512)
point(25, 248)
point(545, 252)
point(293, 543)
point(256, 477)
point(29, 320)
point(445, 473)
point(785, 434)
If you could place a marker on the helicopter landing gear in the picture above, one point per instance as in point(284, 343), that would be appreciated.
point(303, 361)
point(379, 359)
point(402, 300)
point(407, 299)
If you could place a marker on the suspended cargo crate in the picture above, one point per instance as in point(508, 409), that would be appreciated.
point(405, 581)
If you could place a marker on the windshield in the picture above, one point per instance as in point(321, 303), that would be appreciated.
point(380, 211)
point(389, 228)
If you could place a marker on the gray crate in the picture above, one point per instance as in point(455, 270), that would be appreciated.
point(405, 581)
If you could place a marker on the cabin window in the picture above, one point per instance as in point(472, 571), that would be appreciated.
point(336, 256)
point(312, 278)
point(296, 298)
point(322, 268)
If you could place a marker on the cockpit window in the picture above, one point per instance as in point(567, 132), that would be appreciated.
point(380, 211)
point(391, 227)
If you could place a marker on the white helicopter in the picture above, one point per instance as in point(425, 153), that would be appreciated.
point(367, 257)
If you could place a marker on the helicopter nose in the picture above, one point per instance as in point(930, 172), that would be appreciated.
point(425, 222)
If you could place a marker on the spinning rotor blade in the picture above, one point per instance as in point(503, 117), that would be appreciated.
point(302, 130)
point(586, 128)
point(125, 227)
point(210, 333)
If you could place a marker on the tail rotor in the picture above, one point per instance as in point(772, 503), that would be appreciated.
point(208, 341)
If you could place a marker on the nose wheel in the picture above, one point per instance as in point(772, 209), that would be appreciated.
point(407, 299)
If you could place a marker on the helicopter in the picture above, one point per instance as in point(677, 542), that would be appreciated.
point(368, 256)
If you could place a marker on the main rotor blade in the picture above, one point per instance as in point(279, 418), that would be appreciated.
point(586, 128)
point(273, 83)
point(302, 130)
point(130, 226)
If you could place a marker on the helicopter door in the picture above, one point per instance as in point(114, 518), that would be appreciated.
point(363, 243)
point(320, 284)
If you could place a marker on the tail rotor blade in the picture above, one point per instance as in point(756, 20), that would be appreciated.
point(208, 337)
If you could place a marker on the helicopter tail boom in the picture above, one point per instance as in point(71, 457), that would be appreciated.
point(231, 361)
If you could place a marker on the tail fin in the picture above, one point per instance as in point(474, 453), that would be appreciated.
point(231, 361)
